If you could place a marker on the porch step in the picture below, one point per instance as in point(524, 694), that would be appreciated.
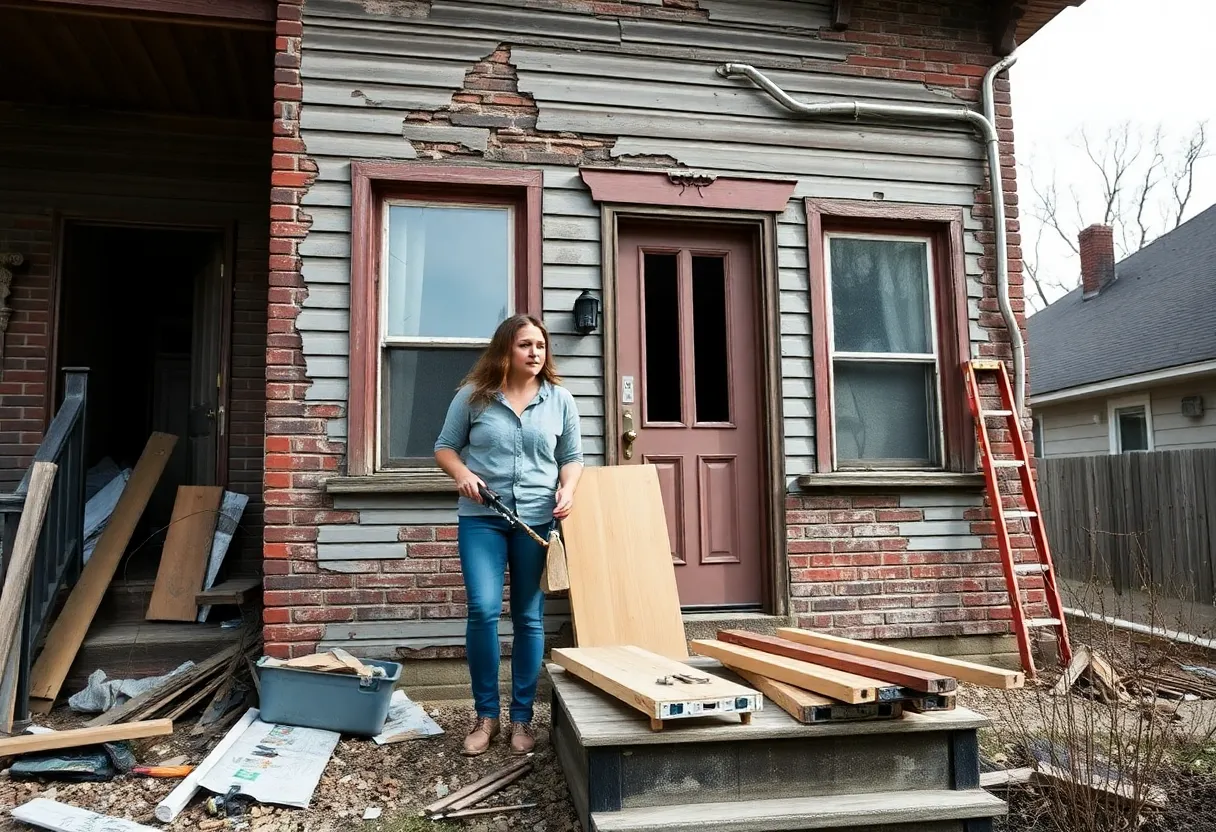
point(904, 811)
point(132, 650)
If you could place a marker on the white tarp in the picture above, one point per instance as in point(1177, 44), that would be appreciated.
point(406, 720)
point(99, 506)
point(51, 814)
point(280, 764)
point(100, 694)
point(231, 509)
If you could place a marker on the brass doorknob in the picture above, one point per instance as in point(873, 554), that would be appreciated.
point(630, 435)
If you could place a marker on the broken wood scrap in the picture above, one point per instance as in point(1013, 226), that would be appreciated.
point(476, 785)
point(963, 671)
point(490, 788)
point(845, 687)
point(1121, 791)
point(20, 561)
point(171, 686)
point(183, 560)
point(65, 636)
point(1092, 668)
point(1006, 778)
point(232, 592)
point(485, 810)
point(76, 737)
point(919, 680)
point(809, 707)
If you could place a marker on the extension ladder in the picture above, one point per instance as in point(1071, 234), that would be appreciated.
point(1020, 462)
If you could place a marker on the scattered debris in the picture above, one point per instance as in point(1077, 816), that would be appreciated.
point(480, 789)
point(101, 694)
point(406, 720)
point(336, 660)
point(50, 814)
point(372, 812)
point(1094, 675)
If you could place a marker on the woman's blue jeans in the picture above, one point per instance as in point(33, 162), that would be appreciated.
point(488, 547)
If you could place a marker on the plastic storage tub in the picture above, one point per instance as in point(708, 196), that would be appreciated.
point(331, 701)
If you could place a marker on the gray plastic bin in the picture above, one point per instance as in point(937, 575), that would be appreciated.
point(331, 701)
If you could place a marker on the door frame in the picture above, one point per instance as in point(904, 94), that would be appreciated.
point(763, 227)
point(227, 230)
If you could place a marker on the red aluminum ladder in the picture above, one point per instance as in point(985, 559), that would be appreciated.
point(1001, 514)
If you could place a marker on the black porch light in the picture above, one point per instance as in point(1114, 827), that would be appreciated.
point(586, 312)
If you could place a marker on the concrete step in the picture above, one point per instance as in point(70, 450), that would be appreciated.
point(935, 810)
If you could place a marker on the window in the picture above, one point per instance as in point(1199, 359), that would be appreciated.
point(1131, 424)
point(440, 255)
point(890, 330)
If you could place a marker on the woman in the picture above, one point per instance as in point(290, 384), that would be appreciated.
point(513, 429)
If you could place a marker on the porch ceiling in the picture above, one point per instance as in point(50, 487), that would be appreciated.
point(64, 56)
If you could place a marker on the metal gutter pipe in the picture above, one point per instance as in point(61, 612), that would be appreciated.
point(984, 123)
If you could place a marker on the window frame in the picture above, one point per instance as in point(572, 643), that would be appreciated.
point(1113, 406)
point(373, 185)
point(951, 320)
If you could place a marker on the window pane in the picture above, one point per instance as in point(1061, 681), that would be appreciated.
point(709, 339)
point(880, 295)
point(662, 309)
point(885, 413)
point(1133, 430)
point(418, 387)
point(449, 271)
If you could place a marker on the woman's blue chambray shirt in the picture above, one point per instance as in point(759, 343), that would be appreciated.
point(518, 457)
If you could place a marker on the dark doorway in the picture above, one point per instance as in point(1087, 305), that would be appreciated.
point(143, 308)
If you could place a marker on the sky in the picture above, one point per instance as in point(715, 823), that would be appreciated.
point(1095, 66)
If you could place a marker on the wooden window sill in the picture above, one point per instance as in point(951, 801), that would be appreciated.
point(890, 479)
point(417, 481)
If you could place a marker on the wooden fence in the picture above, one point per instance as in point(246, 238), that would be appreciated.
point(1134, 519)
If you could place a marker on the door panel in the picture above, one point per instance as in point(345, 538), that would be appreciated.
point(208, 369)
point(688, 351)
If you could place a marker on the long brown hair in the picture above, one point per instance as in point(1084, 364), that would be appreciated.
point(489, 374)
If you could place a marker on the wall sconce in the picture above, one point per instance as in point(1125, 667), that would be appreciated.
point(586, 313)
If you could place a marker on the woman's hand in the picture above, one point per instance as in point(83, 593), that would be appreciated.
point(565, 502)
point(468, 484)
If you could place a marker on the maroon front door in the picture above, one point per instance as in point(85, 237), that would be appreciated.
point(688, 357)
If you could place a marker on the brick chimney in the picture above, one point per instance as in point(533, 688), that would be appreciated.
point(1097, 244)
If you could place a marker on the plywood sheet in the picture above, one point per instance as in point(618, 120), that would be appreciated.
point(632, 675)
point(68, 632)
point(183, 561)
point(618, 553)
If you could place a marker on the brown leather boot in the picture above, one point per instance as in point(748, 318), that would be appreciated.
point(522, 740)
point(485, 729)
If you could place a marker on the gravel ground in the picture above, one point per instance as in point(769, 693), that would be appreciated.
point(398, 779)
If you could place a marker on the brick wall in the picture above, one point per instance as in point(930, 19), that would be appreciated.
point(23, 385)
point(861, 580)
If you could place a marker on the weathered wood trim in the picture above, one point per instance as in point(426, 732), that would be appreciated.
point(604, 779)
point(776, 583)
point(258, 10)
point(370, 182)
point(224, 393)
point(964, 760)
point(637, 187)
point(54, 307)
point(880, 480)
point(419, 481)
point(842, 11)
point(944, 224)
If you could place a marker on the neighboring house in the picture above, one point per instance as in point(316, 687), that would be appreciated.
point(1127, 360)
point(298, 296)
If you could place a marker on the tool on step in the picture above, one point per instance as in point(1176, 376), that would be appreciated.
point(1010, 425)
point(555, 578)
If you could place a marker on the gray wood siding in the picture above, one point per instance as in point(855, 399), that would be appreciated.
point(1080, 428)
point(649, 85)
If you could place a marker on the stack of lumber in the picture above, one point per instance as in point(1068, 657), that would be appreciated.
point(816, 677)
point(220, 685)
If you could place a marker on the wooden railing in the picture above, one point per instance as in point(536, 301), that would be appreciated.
point(58, 559)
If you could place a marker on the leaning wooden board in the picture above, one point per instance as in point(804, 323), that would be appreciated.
point(847, 687)
point(632, 675)
point(183, 559)
point(911, 678)
point(67, 633)
point(976, 674)
point(618, 554)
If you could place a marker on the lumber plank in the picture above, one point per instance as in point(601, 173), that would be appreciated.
point(183, 561)
point(808, 707)
point(618, 555)
point(21, 559)
point(847, 687)
point(631, 675)
point(235, 591)
point(65, 636)
point(76, 737)
point(1080, 661)
point(963, 671)
point(1006, 778)
point(918, 680)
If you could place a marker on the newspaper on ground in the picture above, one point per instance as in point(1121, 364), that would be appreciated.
point(407, 720)
point(280, 764)
point(51, 814)
point(231, 509)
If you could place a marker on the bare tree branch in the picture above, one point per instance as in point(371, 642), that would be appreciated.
point(1182, 182)
point(1146, 188)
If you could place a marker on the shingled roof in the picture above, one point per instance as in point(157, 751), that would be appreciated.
point(1159, 312)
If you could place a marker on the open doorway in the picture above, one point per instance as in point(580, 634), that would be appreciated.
point(145, 309)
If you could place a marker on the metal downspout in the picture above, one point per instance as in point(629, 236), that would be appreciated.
point(984, 123)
